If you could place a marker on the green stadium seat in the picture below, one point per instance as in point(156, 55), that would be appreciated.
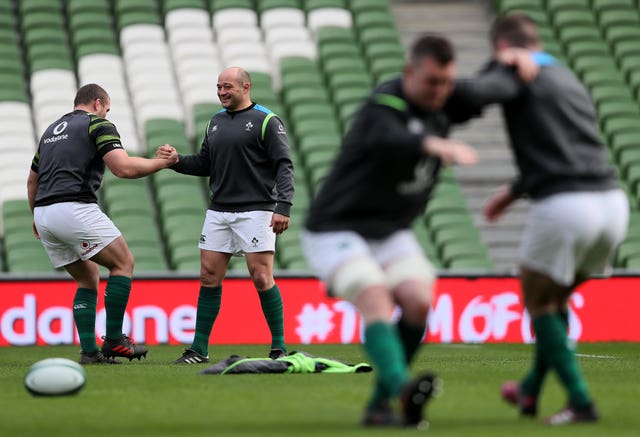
point(179, 228)
point(29, 258)
point(507, 5)
point(295, 96)
point(99, 48)
point(332, 50)
point(618, 17)
point(44, 35)
point(569, 34)
point(310, 5)
point(600, 6)
point(575, 49)
point(558, 5)
point(41, 20)
point(84, 36)
point(329, 34)
point(135, 17)
point(373, 35)
point(374, 19)
point(166, 131)
point(82, 6)
point(217, 5)
point(326, 140)
point(338, 65)
point(170, 5)
point(618, 33)
point(263, 5)
point(458, 250)
point(384, 67)
point(614, 109)
point(627, 250)
point(623, 141)
point(26, 7)
point(306, 111)
point(51, 63)
point(297, 79)
point(384, 49)
point(90, 19)
point(572, 17)
point(619, 125)
point(471, 263)
point(304, 128)
point(346, 79)
point(8, 35)
point(346, 112)
point(605, 93)
point(358, 6)
point(595, 77)
point(320, 158)
point(298, 65)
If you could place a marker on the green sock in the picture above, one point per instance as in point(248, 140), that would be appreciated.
point(551, 334)
point(116, 297)
point(84, 314)
point(383, 346)
point(209, 301)
point(532, 382)
point(411, 338)
point(271, 303)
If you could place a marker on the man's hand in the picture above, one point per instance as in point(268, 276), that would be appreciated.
point(35, 230)
point(450, 151)
point(169, 153)
point(279, 223)
point(521, 59)
point(498, 203)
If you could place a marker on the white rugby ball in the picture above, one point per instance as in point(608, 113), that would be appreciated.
point(55, 377)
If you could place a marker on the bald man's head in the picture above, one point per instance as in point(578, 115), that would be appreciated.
point(234, 89)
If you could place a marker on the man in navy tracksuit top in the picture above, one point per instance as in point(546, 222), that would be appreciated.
point(245, 153)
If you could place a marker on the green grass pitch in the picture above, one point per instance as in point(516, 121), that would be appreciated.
point(154, 398)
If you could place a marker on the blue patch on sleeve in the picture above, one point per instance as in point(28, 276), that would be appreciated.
point(543, 59)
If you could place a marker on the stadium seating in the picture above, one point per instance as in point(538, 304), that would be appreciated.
point(312, 62)
point(23, 253)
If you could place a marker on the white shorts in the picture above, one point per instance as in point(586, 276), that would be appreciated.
point(327, 252)
point(71, 231)
point(238, 232)
point(571, 234)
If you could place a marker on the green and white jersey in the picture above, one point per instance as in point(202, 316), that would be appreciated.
point(69, 160)
point(247, 158)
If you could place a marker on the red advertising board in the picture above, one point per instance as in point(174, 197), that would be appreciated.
point(163, 311)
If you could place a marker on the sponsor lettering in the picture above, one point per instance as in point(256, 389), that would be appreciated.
point(56, 138)
point(163, 311)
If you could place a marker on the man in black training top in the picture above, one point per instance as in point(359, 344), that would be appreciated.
point(578, 215)
point(358, 238)
point(245, 153)
point(65, 174)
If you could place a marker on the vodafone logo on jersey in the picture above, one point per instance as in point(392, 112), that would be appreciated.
point(60, 128)
point(57, 133)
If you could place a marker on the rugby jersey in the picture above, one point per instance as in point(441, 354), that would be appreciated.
point(247, 158)
point(381, 179)
point(69, 159)
point(552, 125)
